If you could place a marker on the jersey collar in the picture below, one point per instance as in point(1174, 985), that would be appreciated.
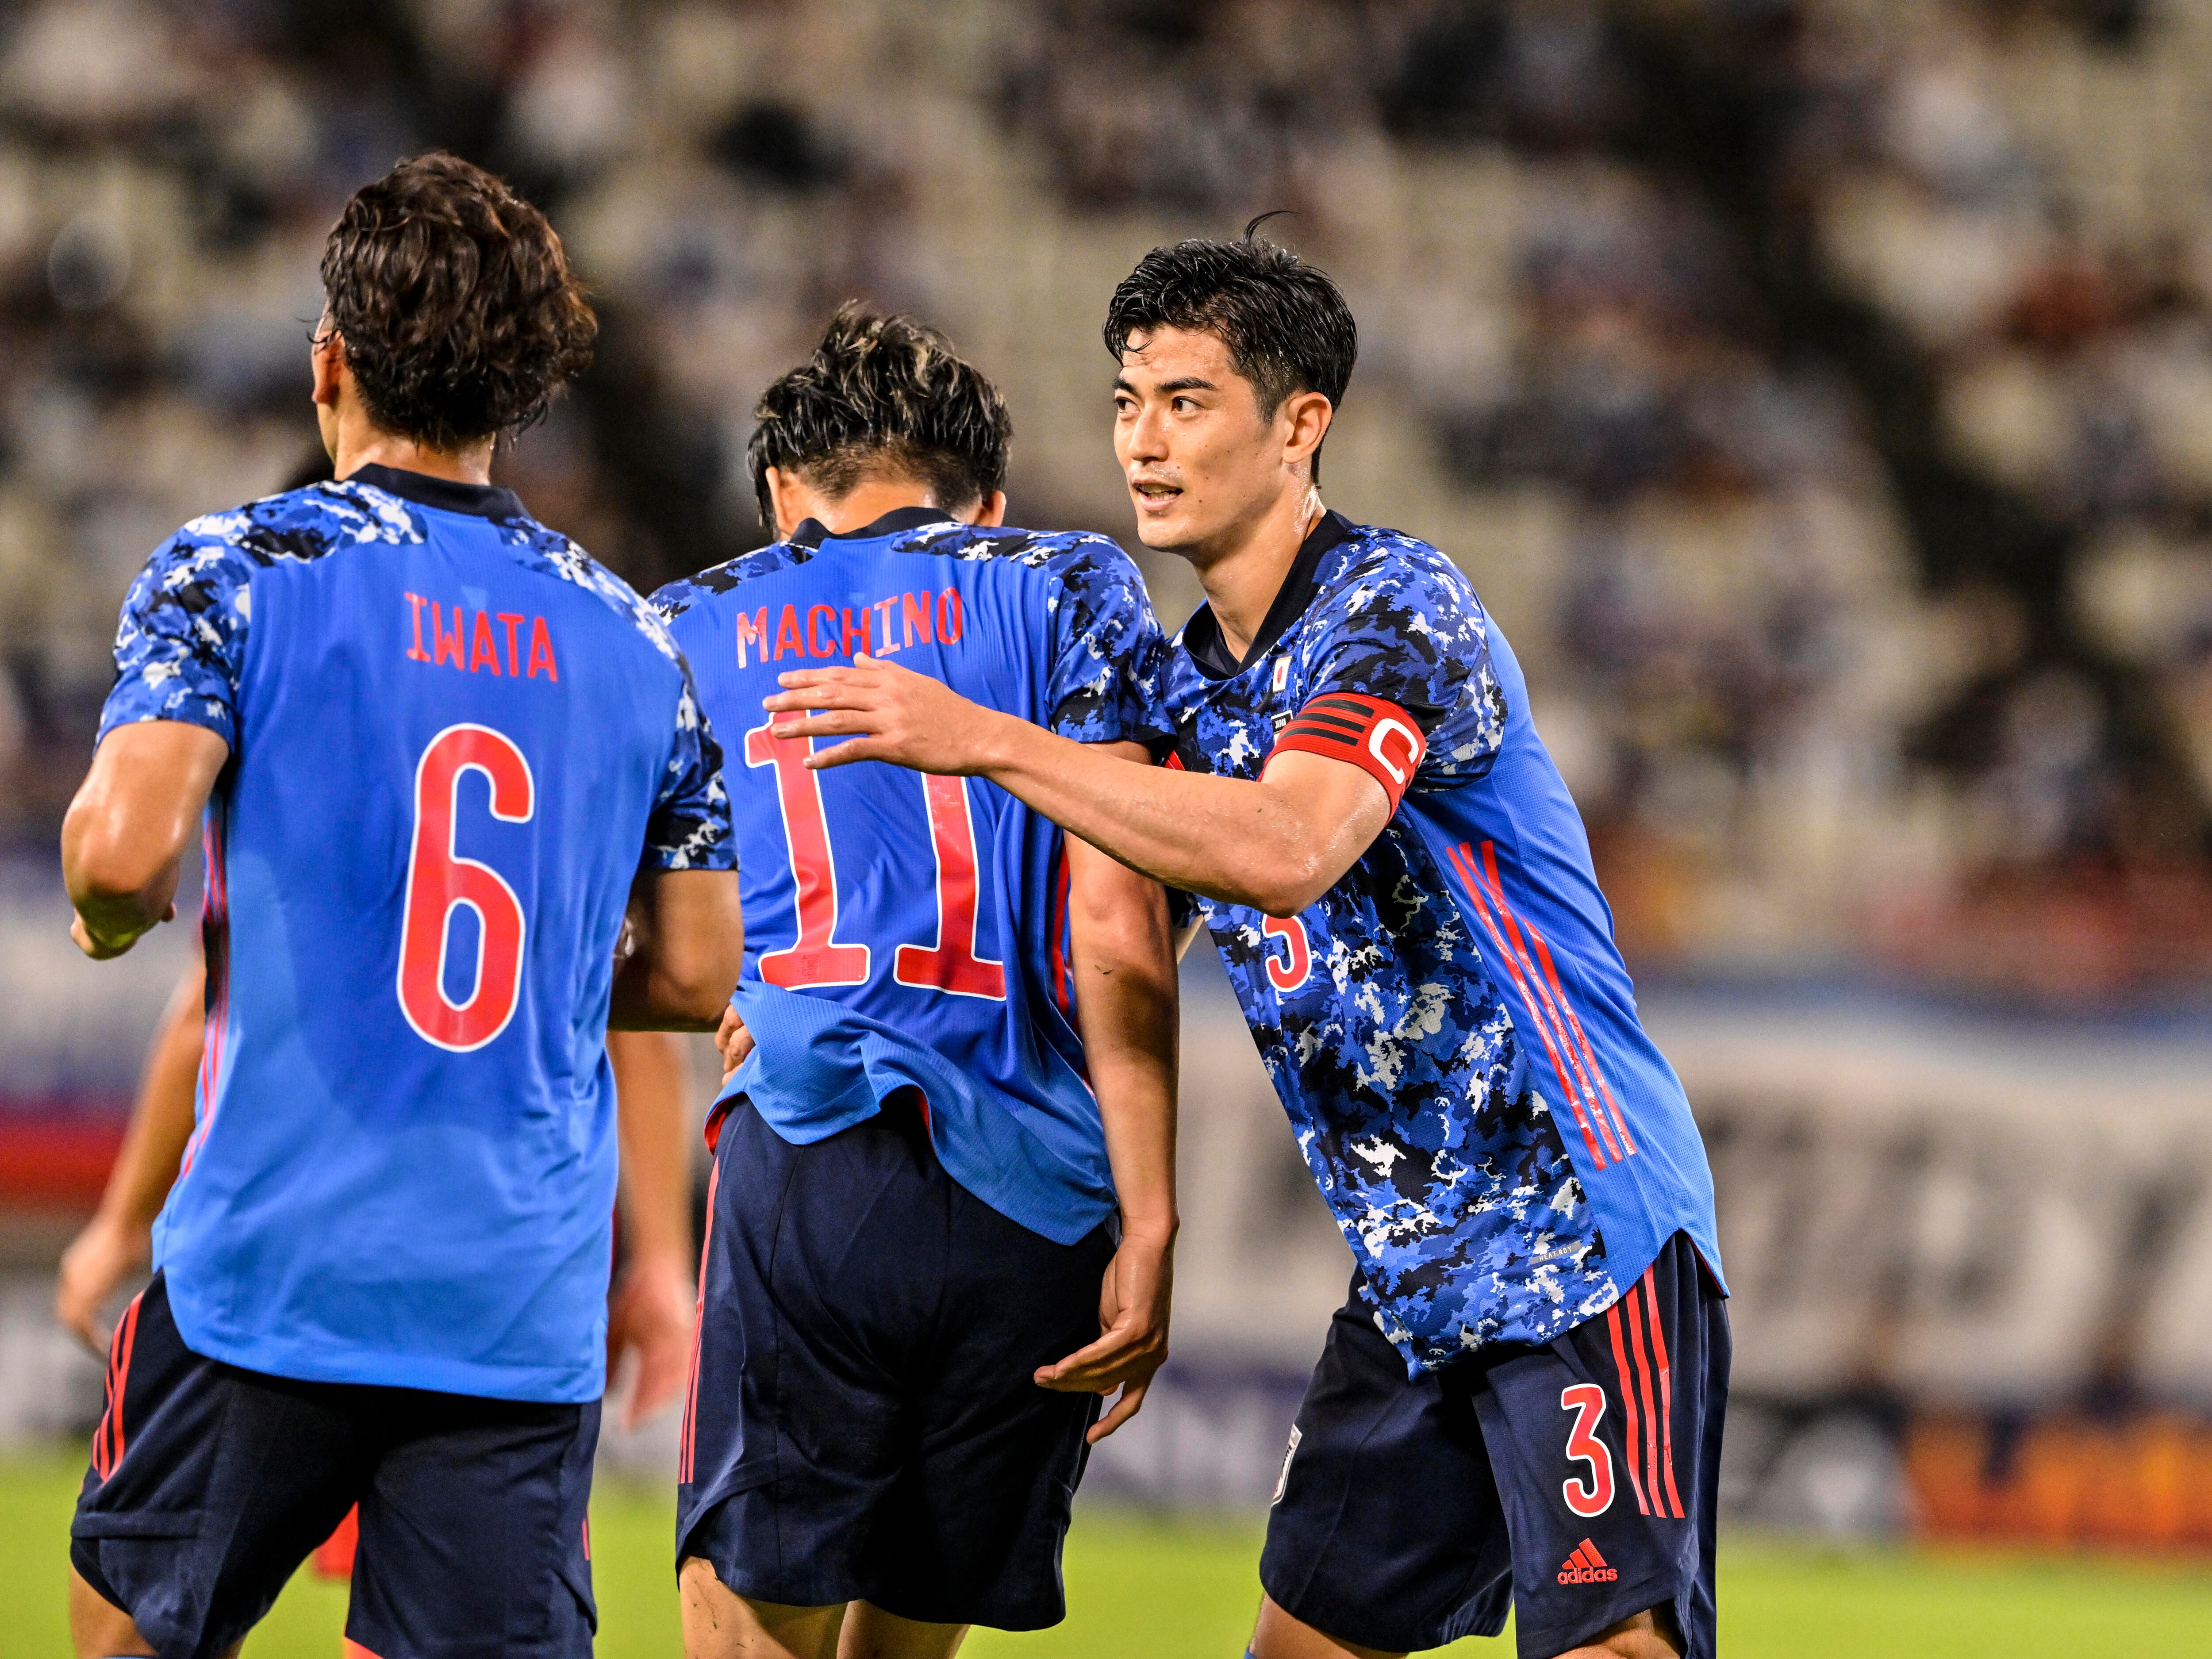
point(1201, 635)
point(811, 533)
point(479, 501)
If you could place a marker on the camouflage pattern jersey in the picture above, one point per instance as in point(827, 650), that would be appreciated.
point(1450, 1026)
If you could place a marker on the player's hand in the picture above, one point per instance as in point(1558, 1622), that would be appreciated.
point(106, 948)
point(1132, 1313)
point(734, 1041)
point(651, 1315)
point(97, 1262)
point(887, 712)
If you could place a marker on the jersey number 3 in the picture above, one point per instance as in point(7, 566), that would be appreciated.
point(1592, 1497)
point(950, 964)
point(439, 882)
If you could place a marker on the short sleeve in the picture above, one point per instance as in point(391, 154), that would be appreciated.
point(690, 827)
point(1403, 633)
point(1108, 653)
point(180, 647)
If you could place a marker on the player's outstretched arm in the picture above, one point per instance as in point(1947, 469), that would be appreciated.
point(686, 945)
point(1276, 844)
point(119, 1240)
point(126, 831)
point(1123, 958)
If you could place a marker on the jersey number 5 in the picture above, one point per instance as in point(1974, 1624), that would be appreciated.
point(1592, 1497)
point(1289, 972)
point(439, 881)
point(950, 964)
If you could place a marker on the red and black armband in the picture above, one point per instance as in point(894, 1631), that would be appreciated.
point(1379, 737)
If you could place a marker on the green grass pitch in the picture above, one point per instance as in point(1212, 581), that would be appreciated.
point(1186, 1591)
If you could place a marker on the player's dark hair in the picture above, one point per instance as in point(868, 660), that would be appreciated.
point(1285, 324)
point(883, 395)
point(459, 314)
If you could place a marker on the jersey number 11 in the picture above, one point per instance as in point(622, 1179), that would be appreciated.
point(950, 964)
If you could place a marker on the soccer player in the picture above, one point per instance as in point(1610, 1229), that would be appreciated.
point(943, 1201)
point(1521, 1399)
point(460, 811)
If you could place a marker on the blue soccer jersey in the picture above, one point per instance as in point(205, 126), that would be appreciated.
point(1450, 1027)
point(455, 741)
point(910, 931)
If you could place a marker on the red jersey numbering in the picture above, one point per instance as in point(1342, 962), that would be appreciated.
point(439, 881)
point(951, 964)
point(1592, 1497)
point(1293, 968)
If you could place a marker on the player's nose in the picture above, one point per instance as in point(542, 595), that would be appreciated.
point(1147, 440)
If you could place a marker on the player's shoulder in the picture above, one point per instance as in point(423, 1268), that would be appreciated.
point(1068, 555)
point(1092, 588)
point(1381, 561)
point(1396, 585)
point(548, 551)
point(687, 593)
point(299, 525)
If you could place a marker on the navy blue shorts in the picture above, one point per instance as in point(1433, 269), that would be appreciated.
point(209, 1484)
point(864, 1425)
point(1574, 1482)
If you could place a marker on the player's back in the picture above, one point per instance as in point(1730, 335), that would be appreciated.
point(453, 740)
point(904, 930)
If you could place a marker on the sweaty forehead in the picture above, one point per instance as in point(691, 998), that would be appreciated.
point(1176, 354)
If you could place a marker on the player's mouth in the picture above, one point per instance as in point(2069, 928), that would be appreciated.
point(1155, 493)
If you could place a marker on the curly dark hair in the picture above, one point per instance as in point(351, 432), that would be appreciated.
point(460, 317)
point(883, 395)
point(1285, 324)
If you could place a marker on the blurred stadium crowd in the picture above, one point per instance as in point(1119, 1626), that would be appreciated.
point(1819, 392)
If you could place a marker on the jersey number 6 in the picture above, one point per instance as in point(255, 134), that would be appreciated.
point(950, 965)
point(1594, 1497)
point(439, 881)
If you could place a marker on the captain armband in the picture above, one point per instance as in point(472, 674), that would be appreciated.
point(1379, 737)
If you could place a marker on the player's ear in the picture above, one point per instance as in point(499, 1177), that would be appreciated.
point(783, 498)
point(1305, 417)
point(326, 352)
point(993, 512)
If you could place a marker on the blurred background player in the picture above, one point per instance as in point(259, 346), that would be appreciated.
point(1521, 1401)
point(380, 1277)
point(948, 1164)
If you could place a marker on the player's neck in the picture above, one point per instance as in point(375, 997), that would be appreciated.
point(863, 504)
point(360, 444)
point(1248, 570)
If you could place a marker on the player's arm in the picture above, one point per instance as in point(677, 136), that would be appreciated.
point(684, 947)
point(651, 1307)
point(124, 840)
point(119, 1240)
point(1276, 843)
point(1123, 957)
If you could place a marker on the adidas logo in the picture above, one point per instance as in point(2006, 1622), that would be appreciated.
point(1586, 1566)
